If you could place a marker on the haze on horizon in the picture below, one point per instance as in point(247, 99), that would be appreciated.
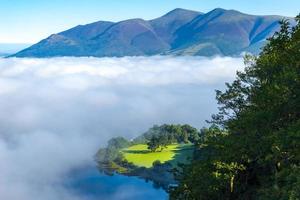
point(32, 20)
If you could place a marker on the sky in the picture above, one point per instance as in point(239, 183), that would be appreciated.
point(29, 21)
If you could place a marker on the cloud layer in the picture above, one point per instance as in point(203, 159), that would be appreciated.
point(55, 113)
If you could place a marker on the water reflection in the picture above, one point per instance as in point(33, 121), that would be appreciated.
point(90, 184)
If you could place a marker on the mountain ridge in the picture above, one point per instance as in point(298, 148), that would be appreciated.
point(178, 32)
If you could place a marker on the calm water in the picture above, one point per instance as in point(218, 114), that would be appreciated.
point(90, 184)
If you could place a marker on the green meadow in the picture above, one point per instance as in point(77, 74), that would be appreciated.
point(141, 156)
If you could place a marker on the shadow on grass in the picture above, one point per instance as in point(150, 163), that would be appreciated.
point(182, 155)
point(136, 151)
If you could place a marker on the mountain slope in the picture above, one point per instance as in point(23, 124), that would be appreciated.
point(68, 43)
point(225, 32)
point(179, 32)
point(128, 38)
point(167, 25)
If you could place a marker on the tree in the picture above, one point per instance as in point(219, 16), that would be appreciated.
point(118, 143)
point(112, 151)
point(192, 134)
point(153, 144)
point(255, 154)
point(162, 136)
point(156, 163)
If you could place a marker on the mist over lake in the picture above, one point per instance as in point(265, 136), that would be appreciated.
point(55, 113)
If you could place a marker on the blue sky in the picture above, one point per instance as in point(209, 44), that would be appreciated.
point(28, 21)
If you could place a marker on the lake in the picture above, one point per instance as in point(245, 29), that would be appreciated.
point(89, 183)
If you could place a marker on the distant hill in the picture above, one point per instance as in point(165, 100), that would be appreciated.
point(179, 32)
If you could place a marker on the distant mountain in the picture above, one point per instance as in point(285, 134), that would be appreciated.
point(179, 32)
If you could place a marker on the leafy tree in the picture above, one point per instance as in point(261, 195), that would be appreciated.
point(162, 136)
point(118, 143)
point(253, 151)
point(191, 133)
point(112, 151)
point(156, 163)
point(153, 144)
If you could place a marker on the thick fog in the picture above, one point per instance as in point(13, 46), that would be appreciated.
point(55, 113)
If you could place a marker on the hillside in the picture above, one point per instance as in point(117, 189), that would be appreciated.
point(179, 32)
point(152, 155)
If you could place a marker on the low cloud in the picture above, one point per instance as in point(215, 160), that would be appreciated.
point(55, 113)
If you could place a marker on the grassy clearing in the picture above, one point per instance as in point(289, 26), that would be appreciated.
point(140, 156)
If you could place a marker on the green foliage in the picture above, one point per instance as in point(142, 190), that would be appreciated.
point(253, 151)
point(154, 143)
point(156, 163)
point(159, 137)
point(118, 143)
point(112, 151)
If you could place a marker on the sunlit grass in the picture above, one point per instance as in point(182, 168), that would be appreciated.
point(140, 156)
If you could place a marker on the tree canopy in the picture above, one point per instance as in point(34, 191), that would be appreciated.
point(253, 149)
point(159, 137)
